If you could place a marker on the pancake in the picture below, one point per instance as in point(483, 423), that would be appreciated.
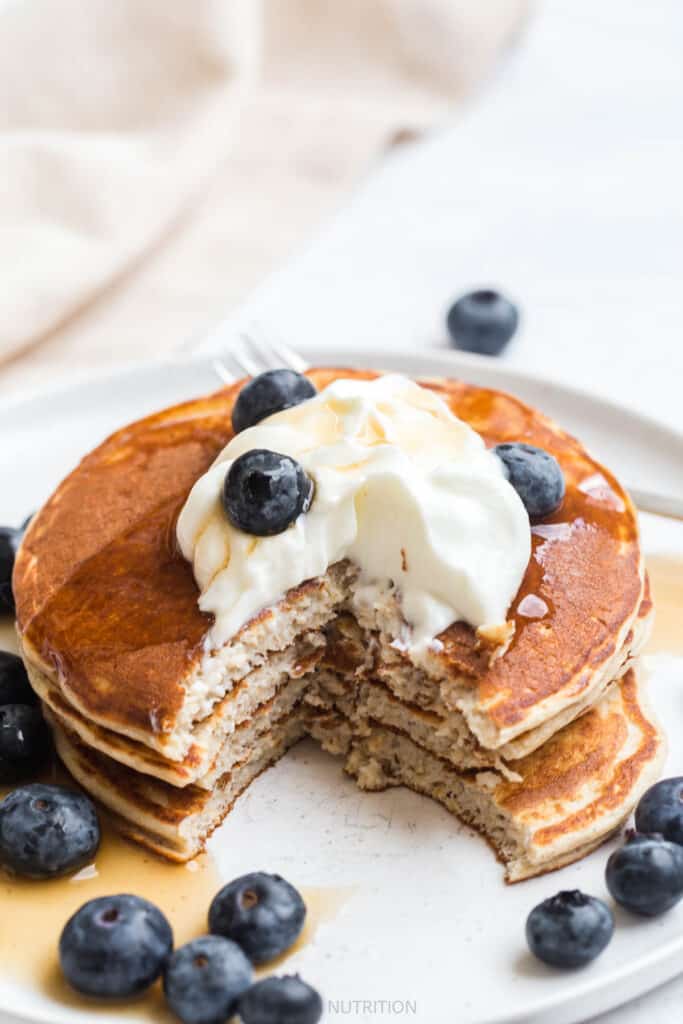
point(107, 609)
point(568, 796)
point(167, 730)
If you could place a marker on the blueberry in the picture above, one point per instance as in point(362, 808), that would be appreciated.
point(204, 979)
point(287, 1000)
point(24, 742)
point(269, 393)
point(14, 685)
point(10, 539)
point(569, 929)
point(115, 946)
point(264, 492)
point(646, 875)
point(536, 476)
point(482, 321)
point(661, 810)
point(47, 831)
point(263, 913)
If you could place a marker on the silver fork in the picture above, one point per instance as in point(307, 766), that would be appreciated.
point(254, 354)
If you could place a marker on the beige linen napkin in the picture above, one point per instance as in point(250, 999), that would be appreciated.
point(206, 136)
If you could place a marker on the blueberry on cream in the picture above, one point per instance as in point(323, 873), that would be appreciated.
point(269, 393)
point(535, 474)
point(265, 492)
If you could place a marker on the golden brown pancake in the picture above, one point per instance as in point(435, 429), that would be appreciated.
point(167, 731)
point(107, 608)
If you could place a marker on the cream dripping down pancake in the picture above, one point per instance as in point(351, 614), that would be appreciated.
point(164, 681)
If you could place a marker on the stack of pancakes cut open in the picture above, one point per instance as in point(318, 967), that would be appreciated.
point(543, 743)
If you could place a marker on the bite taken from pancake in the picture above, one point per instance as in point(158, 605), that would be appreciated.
point(431, 579)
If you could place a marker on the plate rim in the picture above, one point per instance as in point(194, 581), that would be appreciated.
point(626, 981)
point(454, 360)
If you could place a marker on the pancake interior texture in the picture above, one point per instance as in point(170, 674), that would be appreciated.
point(167, 731)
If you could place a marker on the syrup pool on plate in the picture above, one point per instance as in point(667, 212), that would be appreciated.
point(34, 913)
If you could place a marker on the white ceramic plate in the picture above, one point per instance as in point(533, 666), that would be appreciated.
point(430, 922)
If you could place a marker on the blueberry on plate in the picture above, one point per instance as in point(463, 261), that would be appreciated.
point(569, 929)
point(286, 1000)
point(646, 875)
point(661, 810)
point(25, 743)
point(269, 393)
point(47, 831)
point(14, 685)
point(10, 539)
point(204, 979)
point(482, 321)
point(265, 492)
point(536, 476)
point(263, 913)
point(115, 946)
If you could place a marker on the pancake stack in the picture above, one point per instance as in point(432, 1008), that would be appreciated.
point(542, 740)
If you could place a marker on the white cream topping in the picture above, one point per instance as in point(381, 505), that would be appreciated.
point(403, 488)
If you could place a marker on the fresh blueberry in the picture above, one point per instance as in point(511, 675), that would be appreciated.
point(482, 321)
point(264, 492)
point(47, 831)
point(646, 875)
point(14, 685)
point(115, 946)
point(536, 476)
point(661, 810)
point(269, 393)
point(263, 913)
point(10, 539)
point(287, 1000)
point(569, 929)
point(204, 979)
point(24, 742)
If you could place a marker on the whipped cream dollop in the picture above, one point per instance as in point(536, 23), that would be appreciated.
point(403, 488)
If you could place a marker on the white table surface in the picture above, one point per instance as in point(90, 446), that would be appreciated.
point(563, 185)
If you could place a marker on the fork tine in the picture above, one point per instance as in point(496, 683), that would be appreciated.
point(221, 371)
point(261, 350)
point(253, 355)
point(240, 356)
point(289, 357)
point(274, 354)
